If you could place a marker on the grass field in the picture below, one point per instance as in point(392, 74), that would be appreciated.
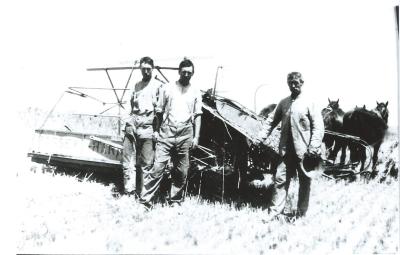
point(63, 214)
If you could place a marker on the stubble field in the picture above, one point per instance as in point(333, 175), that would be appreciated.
point(64, 214)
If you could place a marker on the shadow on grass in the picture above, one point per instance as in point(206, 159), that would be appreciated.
point(214, 187)
point(208, 186)
point(103, 176)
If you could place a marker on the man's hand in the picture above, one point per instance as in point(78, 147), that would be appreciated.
point(195, 142)
point(314, 151)
point(156, 136)
point(263, 135)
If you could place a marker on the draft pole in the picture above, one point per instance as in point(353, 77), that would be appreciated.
point(216, 78)
point(119, 120)
point(223, 176)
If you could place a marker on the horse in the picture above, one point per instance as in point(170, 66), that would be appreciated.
point(370, 126)
point(333, 121)
point(267, 110)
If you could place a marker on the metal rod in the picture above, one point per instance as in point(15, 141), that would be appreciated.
point(96, 88)
point(127, 68)
point(51, 111)
point(223, 177)
point(204, 148)
point(201, 177)
point(216, 78)
point(158, 69)
point(158, 79)
point(119, 120)
point(79, 93)
point(97, 115)
point(201, 161)
point(129, 78)
point(255, 96)
point(106, 110)
point(112, 85)
point(167, 68)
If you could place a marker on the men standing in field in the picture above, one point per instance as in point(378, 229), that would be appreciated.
point(178, 115)
point(138, 153)
point(302, 130)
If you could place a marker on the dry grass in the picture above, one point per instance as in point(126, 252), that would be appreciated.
point(68, 216)
point(61, 214)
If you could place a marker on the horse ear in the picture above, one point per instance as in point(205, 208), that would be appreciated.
point(387, 102)
point(329, 100)
point(364, 107)
point(377, 103)
point(338, 100)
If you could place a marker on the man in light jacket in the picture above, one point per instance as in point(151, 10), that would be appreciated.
point(302, 130)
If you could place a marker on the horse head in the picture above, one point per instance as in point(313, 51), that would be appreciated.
point(382, 110)
point(333, 115)
point(267, 110)
point(334, 105)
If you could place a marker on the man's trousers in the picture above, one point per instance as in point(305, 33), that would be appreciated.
point(285, 171)
point(173, 145)
point(138, 157)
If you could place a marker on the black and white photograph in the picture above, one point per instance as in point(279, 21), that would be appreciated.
point(202, 127)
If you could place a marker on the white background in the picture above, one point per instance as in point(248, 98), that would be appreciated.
point(345, 49)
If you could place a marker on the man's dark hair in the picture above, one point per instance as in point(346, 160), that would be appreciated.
point(186, 63)
point(295, 76)
point(147, 60)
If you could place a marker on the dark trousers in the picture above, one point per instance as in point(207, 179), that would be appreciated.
point(285, 171)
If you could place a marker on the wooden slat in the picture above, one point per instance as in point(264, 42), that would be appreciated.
point(64, 160)
point(112, 144)
point(76, 134)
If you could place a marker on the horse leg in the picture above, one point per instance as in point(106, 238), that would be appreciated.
point(375, 156)
point(336, 148)
point(329, 144)
point(342, 146)
point(354, 157)
point(363, 157)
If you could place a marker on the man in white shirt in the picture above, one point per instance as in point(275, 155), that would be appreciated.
point(178, 115)
point(138, 153)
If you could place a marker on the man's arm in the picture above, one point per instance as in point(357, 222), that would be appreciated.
point(197, 111)
point(159, 99)
point(196, 126)
point(317, 130)
point(273, 119)
point(132, 101)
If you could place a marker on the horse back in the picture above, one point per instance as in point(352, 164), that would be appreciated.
point(365, 124)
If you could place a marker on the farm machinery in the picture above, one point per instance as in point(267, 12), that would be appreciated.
point(231, 162)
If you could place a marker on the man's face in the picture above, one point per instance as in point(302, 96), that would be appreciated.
point(295, 86)
point(185, 74)
point(146, 70)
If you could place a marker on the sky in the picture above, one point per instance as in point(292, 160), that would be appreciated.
point(345, 49)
